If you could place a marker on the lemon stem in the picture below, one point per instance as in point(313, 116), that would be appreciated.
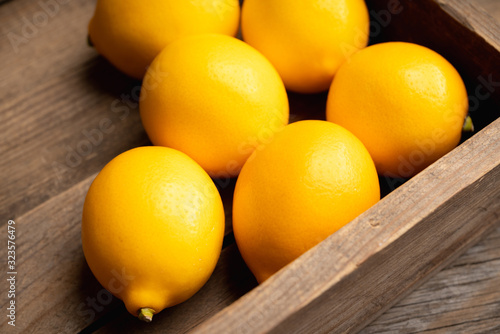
point(146, 314)
point(468, 125)
point(89, 41)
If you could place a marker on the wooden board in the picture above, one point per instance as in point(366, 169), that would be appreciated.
point(65, 112)
point(62, 114)
point(462, 298)
point(358, 272)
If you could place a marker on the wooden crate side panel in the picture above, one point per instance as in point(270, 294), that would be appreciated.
point(462, 298)
point(412, 232)
point(286, 298)
point(63, 107)
point(389, 275)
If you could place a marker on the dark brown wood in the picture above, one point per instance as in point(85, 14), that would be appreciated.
point(65, 112)
point(55, 288)
point(491, 7)
point(349, 279)
point(62, 114)
point(462, 298)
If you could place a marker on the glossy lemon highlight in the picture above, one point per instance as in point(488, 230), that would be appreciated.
point(306, 40)
point(130, 33)
point(152, 228)
point(405, 102)
point(312, 179)
point(214, 98)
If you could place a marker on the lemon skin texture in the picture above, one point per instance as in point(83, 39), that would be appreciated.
point(214, 98)
point(130, 33)
point(152, 228)
point(405, 102)
point(311, 180)
point(306, 40)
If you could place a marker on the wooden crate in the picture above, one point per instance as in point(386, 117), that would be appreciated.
point(66, 113)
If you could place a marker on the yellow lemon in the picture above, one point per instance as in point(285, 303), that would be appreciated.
point(152, 228)
point(306, 40)
point(214, 98)
point(405, 102)
point(312, 179)
point(130, 33)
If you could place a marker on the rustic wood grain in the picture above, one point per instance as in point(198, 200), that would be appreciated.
point(53, 278)
point(462, 298)
point(492, 7)
point(55, 93)
point(358, 272)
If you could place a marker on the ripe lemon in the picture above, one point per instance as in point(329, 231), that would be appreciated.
point(130, 33)
point(404, 101)
point(214, 98)
point(152, 228)
point(312, 179)
point(306, 40)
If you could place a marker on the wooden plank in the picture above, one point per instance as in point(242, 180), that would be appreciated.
point(462, 298)
point(62, 114)
point(474, 17)
point(492, 7)
point(454, 300)
point(358, 272)
point(57, 292)
point(53, 278)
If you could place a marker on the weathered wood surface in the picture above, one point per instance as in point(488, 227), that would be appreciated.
point(64, 113)
point(462, 298)
point(465, 296)
point(492, 7)
point(357, 273)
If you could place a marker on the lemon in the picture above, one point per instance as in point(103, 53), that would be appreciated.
point(405, 102)
point(306, 40)
point(312, 179)
point(152, 228)
point(130, 33)
point(214, 98)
